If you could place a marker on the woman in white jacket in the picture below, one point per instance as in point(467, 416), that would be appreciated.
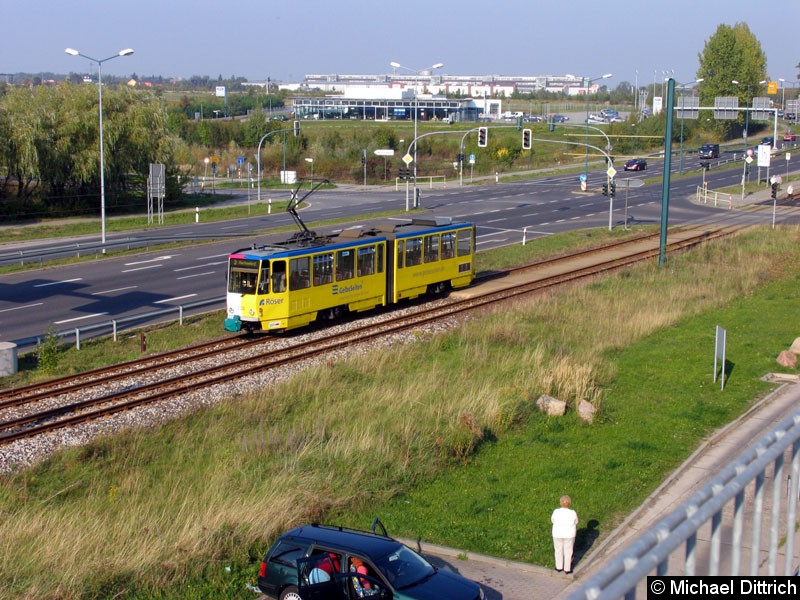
point(565, 527)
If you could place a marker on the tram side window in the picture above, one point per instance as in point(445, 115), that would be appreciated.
point(431, 245)
point(448, 245)
point(278, 276)
point(413, 252)
point(400, 254)
point(381, 249)
point(299, 275)
point(345, 264)
point(465, 242)
point(323, 268)
point(366, 261)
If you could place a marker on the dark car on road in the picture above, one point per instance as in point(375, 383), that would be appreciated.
point(559, 118)
point(635, 164)
point(324, 562)
point(709, 151)
point(769, 141)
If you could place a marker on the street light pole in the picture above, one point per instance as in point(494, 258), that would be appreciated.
point(311, 160)
point(126, 52)
point(588, 83)
point(397, 65)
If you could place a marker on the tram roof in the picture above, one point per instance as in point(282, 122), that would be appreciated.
point(351, 238)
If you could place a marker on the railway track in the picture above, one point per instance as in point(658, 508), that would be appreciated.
point(34, 410)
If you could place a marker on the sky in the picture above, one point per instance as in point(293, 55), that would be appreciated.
point(639, 42)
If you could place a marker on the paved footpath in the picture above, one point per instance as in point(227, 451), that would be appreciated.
point(508, 580)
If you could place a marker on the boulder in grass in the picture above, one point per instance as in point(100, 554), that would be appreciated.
point(586, 411)
point(550, 406)
point(795, 347)
point(787, 359)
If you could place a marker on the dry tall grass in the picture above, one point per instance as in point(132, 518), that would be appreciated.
point(159, 506)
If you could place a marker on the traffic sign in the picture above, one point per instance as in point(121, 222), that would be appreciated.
point(408, 159)
point(240, 160)
point(630, 182)
point(611, 172)
point(385, 152)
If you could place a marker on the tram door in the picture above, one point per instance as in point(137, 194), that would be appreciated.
point(391, 272)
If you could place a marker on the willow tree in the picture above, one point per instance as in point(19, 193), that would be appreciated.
point(731, 54)
point(51, 142)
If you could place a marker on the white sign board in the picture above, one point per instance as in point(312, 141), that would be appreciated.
point(220, 91)
point(388, 152)
point(764, 154)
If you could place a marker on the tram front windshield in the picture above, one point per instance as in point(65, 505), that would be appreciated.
point(243, 275)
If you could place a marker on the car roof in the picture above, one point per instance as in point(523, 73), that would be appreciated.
point(349, 540)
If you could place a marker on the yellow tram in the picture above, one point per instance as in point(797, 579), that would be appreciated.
point(291, 284)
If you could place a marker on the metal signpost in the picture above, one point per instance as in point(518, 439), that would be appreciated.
point(720, 339)
point(156, 188)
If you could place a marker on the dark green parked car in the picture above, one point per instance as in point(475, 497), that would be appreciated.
point(318, 562)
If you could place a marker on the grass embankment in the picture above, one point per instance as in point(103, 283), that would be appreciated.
point(441, 439)
point(182, 214)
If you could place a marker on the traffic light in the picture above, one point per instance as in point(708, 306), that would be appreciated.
point(706, 165)
point(605, 189)
point(483, 135)
point(296, 128)
point(613, 190)
point(774, 191)
point(526, 139)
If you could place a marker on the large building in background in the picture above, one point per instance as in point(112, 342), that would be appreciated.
point(425, 96)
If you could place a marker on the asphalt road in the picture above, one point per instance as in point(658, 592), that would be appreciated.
point(505, 212)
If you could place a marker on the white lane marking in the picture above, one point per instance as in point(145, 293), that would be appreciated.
point(203, 266)
point(150, 260)
point(174, 299)
point(38, 285)
point(20, 307)
point(80, 318)
point(141, 268)
point(130, 287)
point(195, 275)
point(226, 255)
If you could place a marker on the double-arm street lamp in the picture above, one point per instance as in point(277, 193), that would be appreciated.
point(397, 65)
point(748, 100)
point(588, 83)
point(100, 61)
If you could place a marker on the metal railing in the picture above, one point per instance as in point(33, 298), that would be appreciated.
point(114, 326)
point(725, 525)
point(707, 196)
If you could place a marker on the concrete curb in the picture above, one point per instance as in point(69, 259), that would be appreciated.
point(463, 555)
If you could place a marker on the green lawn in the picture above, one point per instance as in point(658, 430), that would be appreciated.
point(441, 439)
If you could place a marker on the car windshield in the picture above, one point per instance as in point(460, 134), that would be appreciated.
point(404, 568)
